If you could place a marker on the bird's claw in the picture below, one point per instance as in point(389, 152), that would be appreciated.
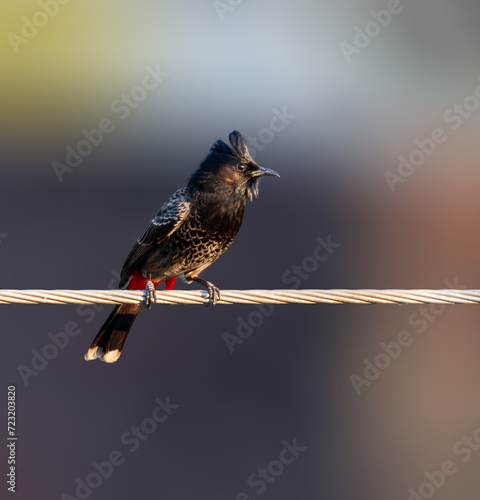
point(213, 295)
point(150, 293)
point(212, 291)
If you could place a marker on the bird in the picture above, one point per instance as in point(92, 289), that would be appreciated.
point(189, 232)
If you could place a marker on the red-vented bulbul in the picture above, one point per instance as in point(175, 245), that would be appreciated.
point(192, 229)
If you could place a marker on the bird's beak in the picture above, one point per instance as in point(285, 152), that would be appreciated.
point(264, 171)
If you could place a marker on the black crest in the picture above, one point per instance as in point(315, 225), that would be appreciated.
point(221, 154)
point(239, 144)
point(238, 150)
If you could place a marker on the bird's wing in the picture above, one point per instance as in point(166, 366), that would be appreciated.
point(163, 224)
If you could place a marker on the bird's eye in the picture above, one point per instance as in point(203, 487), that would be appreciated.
point(241, 167)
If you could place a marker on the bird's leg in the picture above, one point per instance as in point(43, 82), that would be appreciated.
point(213, 291)
point(151, 293)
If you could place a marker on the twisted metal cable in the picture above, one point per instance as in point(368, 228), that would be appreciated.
point(243, 297)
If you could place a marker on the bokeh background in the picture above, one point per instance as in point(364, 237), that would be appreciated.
point(229, 67)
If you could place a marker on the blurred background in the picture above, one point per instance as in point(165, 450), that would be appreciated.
point(351, 104)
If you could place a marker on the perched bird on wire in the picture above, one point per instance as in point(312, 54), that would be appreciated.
point(192, 229)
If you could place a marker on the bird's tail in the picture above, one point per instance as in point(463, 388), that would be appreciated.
point(108, 344)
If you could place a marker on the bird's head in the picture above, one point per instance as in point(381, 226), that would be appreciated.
point(231, 168)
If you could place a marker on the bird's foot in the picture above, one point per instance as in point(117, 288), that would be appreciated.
point(212, 290)
point(213, 295)
point(150, 292)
